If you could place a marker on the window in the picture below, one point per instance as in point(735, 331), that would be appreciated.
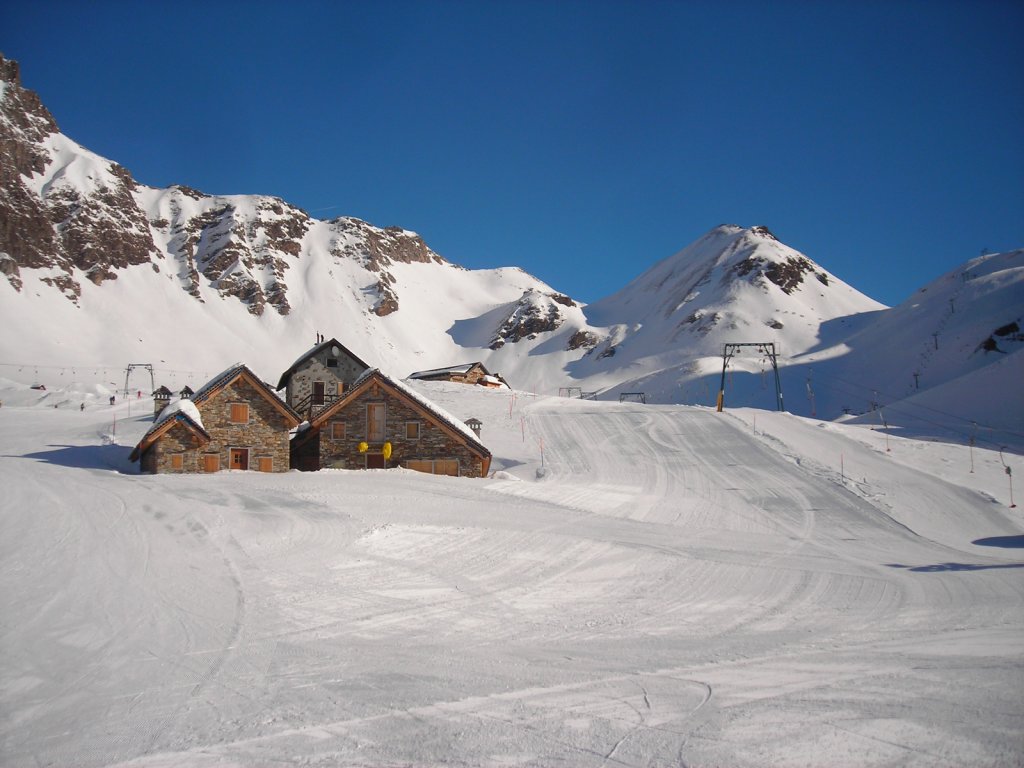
point(239, 413)
point(265, 463)
point(412, 430)
point(375, 416)
point(332, 362)
point(177, 461)
point(211, 462)
point(337, 430)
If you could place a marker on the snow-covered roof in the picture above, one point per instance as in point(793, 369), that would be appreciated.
point(171, 410)
point(311, 352)
point(463, 368)
point(180, 410)
point(435, 410)
point(221, 378)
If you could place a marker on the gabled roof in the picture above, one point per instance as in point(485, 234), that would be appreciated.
point(462, 368)
point(182, 412)
point(186, 410)
point(453, 426)
point(241, 371)
point(316, 350)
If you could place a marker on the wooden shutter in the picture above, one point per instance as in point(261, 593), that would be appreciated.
point(239, 413)
point(375, 420)
point(211, 462)
point(265, 463)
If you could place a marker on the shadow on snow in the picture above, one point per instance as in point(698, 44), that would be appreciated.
point(942, 567)
point(107, 457)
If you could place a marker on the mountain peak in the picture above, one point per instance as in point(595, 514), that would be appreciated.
point(762, 231)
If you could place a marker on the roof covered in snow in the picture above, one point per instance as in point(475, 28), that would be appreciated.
point(437, 412)
point(463, 368)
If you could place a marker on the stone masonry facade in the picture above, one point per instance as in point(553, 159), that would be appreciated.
point(336, 378)
point(339, 446)
point(178, 440)
point(264, 435)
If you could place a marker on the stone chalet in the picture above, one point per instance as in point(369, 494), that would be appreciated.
point(320, 376)
point(467, 373)
point(235, 421)
point(379, 423)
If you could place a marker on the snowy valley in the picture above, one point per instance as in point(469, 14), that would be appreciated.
point(632, 585)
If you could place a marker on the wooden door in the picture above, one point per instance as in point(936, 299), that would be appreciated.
point(239, 458)
point(375, 461)
point(319, 392)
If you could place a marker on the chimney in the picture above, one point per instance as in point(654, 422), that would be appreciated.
point(161, 398)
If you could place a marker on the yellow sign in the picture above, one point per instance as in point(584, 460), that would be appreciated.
point(362, 447)
point(386, 451)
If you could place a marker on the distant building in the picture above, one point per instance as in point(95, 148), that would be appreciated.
point(466, 373)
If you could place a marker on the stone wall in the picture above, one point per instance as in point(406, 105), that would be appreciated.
point(433, 443)
point(265, 434)
point(300, 383)
point(177, 440)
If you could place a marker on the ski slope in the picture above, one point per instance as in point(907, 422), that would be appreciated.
point(636, 585)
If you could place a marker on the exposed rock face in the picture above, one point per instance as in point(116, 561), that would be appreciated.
point(583, 339)
point(90, 229)
point(1009, 335)
point(78, 215)
point(534, 313)
point(376, 249)
point(241, 254)
point(787, 274)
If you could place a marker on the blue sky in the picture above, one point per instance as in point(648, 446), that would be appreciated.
point(581, 141)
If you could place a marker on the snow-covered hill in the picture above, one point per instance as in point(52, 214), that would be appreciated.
point(98, 271)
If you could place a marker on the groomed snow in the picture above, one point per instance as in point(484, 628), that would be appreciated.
point(637, 585)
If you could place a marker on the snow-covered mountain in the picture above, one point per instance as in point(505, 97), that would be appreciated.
point(100, 271)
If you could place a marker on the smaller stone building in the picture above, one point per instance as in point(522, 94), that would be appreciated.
point(466, 373)
point(235, 421)
point(320, 377)
point(381, 423)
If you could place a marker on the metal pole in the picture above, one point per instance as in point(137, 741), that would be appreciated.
point(721, 386)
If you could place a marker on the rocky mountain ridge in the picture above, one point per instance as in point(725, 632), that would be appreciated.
point(101, 270)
